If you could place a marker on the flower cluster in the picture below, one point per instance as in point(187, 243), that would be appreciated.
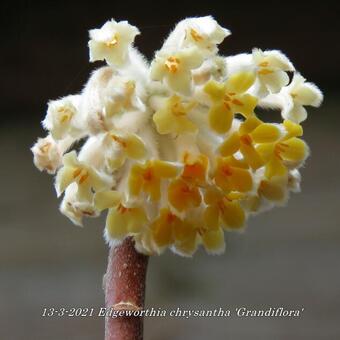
point(174, 149)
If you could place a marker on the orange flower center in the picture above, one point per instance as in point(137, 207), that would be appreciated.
point(172, 64)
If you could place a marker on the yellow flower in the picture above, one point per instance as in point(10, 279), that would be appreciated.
point(193, 231)
point(121, 221)
point(62, 118)
point(230, 98)
point(225, 209)
point(195, 169)
point(274, 189)
point(84, 175)
point(271, 70)
point(251, 132)
point(298, 94)
point(175, 68)
point(288, 151)
point(122, 97)
point(173, 117)
point(147, 177)
point(130, 145)
point(112, 41)
point(232, 175)
point(183, 195)
point(47, 154)
point(163, 227)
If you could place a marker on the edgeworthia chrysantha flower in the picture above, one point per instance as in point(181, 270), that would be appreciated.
point(173, 149)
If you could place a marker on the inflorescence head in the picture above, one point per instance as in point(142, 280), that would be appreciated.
point(174, 149)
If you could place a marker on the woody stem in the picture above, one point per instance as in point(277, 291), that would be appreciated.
point(124, 285)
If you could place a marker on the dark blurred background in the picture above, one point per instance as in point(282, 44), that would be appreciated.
point(287, 257)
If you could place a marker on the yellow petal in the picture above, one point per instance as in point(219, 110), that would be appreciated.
point(240, 82)
point(241, 180)
point(195, 171)
point(249, 153)
point(308, 94)
point(232, 215)
point(169, 120)
point(220, 118)
point(95, 180)
point(152, 187)
point(248, 105)
point(293, 129)
point(116, 225)
point(182, 196)
point(162, 228)
point(230, 145)
point(136, 220)
point(188, 246)
point(296, 150)
point(237, 163)
point(233, 179)
point(272, 191)
point(184, 231)
point(211, 217)
point(165, 169)
point(185, 125)
point(135, 147)
point(212, 196)
point(185, 238)
point(135, 181)
point(266, 133)
point(249, 125)
point(64, 178)
point(215, 90)
point(275, 167)
point(266, 151)
point(106, 199)
point(213, 241)
point(180, 82)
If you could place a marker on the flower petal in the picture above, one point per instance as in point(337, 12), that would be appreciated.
point(266, 133)
point(233, 215)
point(240, 82)
point(213, 241)
point(107, 199)
point(220, 118)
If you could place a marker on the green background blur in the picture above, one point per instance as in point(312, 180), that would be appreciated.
point(287, 257)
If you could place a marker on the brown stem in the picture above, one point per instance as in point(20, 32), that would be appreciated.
point(124, 284)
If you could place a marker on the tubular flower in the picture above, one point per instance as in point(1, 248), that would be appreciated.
point(62, 119)
point(230, 98)
point(173, 149)
point(173, 117)
point(225, 208)
point(272, 67)
point(175, 68)
point(147, 177)
point(204, 33)
point(298, 94)
point(75, 206)
point(112, 41)
point(121, 220)
point(195, 169)
point(192, 231)
point(251, 132)
point(183, 195)
point(163, 227)
point(288, 152)
point(129, 146)
point(74, 171)
point(233, 175)
point(122, 96)
point(47, 154)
